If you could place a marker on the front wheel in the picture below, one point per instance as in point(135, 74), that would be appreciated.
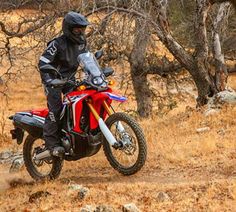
point(131, 155)
point(40, 169)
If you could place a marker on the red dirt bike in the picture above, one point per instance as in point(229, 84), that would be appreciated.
point(88, 122)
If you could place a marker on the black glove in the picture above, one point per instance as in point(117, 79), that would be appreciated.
point(55, 83)
point(46, 78)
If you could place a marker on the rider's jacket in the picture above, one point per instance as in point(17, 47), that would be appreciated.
point(62, 54)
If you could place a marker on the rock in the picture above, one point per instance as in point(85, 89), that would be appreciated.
point(16, 165)
point(37, 195)
point(104, 208)
point(99, 208)
point(8, 156)
point(5, 155)
point(162, 197)
point(203, 129)
point(211, 112)
point(131, 207)
point(226, 96)
point(82, 191)
point(87, 208)
point(75, 187)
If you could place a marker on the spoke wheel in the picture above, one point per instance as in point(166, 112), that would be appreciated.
point(131, 155)
point(49, 168)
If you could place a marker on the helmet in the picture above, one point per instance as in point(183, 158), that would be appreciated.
point(73, 20)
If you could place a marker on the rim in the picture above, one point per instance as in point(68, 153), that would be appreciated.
point(127, 155)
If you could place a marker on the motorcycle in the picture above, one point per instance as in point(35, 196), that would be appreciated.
point(89, 122)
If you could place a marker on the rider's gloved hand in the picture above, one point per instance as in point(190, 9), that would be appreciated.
point(47, 78)
point(48, 82)
point(54, 83)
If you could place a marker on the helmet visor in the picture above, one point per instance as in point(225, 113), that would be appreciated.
point(78, 30)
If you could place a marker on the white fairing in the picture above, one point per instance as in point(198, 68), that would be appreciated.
point(106, 132)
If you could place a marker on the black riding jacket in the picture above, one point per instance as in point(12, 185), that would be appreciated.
point(62, 54)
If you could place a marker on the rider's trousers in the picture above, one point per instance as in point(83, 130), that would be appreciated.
point(52, 125)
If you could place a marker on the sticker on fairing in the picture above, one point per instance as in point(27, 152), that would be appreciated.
point(116, 97)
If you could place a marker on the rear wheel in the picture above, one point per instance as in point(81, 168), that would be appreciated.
point(131, 155)
point(47, 169)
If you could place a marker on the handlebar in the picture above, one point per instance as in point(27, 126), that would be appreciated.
point(57, 83)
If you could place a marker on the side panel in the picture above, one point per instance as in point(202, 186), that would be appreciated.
point(77, 108)
point(75, 100)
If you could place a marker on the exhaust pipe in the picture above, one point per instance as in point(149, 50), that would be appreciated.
point(107, 133)
point(43, 155)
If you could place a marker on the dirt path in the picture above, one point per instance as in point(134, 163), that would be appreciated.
point(188, 188)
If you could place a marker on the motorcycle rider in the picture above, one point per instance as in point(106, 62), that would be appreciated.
point(61, 54)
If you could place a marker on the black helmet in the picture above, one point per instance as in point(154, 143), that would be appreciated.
point(74, 20)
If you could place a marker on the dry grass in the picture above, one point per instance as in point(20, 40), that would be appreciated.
point(196, 170)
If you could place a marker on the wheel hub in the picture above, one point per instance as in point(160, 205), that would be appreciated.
point(128, 146)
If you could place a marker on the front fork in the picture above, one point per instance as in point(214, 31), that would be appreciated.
point(109, 111)
point(105, 131)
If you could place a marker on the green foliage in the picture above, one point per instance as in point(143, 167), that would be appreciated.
point(181, 17)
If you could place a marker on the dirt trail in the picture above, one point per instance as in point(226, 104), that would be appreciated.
point(200, 187)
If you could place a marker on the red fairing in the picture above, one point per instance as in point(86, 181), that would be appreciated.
point(40, 112)
point(98, 99)
point(77, 106)
point(75, 99)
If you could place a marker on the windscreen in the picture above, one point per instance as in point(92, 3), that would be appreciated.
point(93, 74)
point(89, 64)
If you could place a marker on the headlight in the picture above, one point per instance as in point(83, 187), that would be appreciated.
point(97, 80)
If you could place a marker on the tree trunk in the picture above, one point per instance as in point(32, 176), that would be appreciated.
point(204, 81)
point(197, 65)
point(221, 1)
point(221, 73)
point(137, 61)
